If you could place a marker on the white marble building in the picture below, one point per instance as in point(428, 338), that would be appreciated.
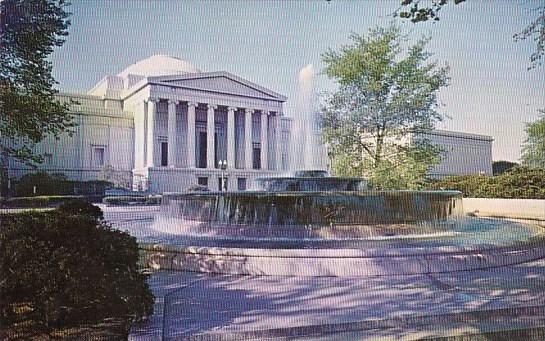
point(463, 153)
point(163, 125)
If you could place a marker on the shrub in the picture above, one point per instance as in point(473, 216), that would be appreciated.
point(42, 201)
point(82, 208)
point(519, 182)
point(46, 184)
point(57, 184)
point(68, 270)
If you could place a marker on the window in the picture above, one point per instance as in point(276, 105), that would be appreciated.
point(203, 181)
point(257, 157)
point(164, 154)
point(241, 184)
point(98, 156)
point(202, 150)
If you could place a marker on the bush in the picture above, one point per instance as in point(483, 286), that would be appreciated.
point(82, 208)
point(68, 270)
point(132, 200)
point(519, 183)
point(43, 201)
point(57, 184)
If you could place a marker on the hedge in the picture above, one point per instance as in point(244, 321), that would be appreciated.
point(132, 200)
point(57, 184)
point(516, 183)
point(43, 201)
point(68, 268)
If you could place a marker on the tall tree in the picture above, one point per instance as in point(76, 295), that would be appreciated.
point(29, 31)
point(385, 95)
point(533, 149)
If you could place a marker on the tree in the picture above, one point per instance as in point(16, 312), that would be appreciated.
point(384, 96)
point(418, 11)
point(533, 149)
point(29, 31)
point(536, 29)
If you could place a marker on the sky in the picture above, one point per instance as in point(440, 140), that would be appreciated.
point(267, 42)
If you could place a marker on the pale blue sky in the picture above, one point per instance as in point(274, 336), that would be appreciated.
point(268, 42)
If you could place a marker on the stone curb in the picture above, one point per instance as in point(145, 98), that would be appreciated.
point(277, 263)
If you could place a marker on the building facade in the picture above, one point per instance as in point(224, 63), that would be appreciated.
point(462, 153)
point(162, 125)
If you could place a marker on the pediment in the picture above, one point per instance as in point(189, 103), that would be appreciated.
point(222, 83)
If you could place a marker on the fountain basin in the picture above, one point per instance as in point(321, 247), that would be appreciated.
point(291, 226)
point(312, 209)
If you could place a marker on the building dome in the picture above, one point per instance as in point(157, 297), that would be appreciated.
point(159, 65)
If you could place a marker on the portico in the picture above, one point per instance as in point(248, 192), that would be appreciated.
point(186, 124)
point(214, 139)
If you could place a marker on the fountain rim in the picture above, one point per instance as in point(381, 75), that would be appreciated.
point(364, 193)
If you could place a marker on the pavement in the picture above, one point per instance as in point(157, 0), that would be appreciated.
point(503, 303)
point(223, 307)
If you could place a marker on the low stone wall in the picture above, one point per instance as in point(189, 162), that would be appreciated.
point(337, 262)
point(520, 209)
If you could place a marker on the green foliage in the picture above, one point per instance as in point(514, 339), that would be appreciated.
point(519, 182)
point(29, 111)
point(417, 12)
point(384, 95)
point(420, 11)
point(533, 149)
point(535, 29)
point(80, 207)
point(69, 270)
point(407, 171)
point(29, 31)
point(132, 200)
point(57, 184)
point(42, 201)
point(46, 184)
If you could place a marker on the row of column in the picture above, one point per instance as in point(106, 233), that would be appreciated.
point(210, 133)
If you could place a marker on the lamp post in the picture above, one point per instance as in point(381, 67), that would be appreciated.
point(223, 166)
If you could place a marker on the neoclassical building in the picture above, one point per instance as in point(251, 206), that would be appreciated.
point(163, 125)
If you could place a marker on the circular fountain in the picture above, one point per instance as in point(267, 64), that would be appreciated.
point(312, 224)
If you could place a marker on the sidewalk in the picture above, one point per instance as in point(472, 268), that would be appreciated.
point(402, 307)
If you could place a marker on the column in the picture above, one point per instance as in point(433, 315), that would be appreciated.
point(210, 131)
point(278, 138)
point(248, 139)
point(172, 131)
point(144, 151)
point(191, 134)
point(152, 111)
point(264, 139)
point(231, 137)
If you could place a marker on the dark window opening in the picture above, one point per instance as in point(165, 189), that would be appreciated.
point(203, 181)
point(202, 149)
point(257, 158)
point(241, 184)
point(164, 154)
